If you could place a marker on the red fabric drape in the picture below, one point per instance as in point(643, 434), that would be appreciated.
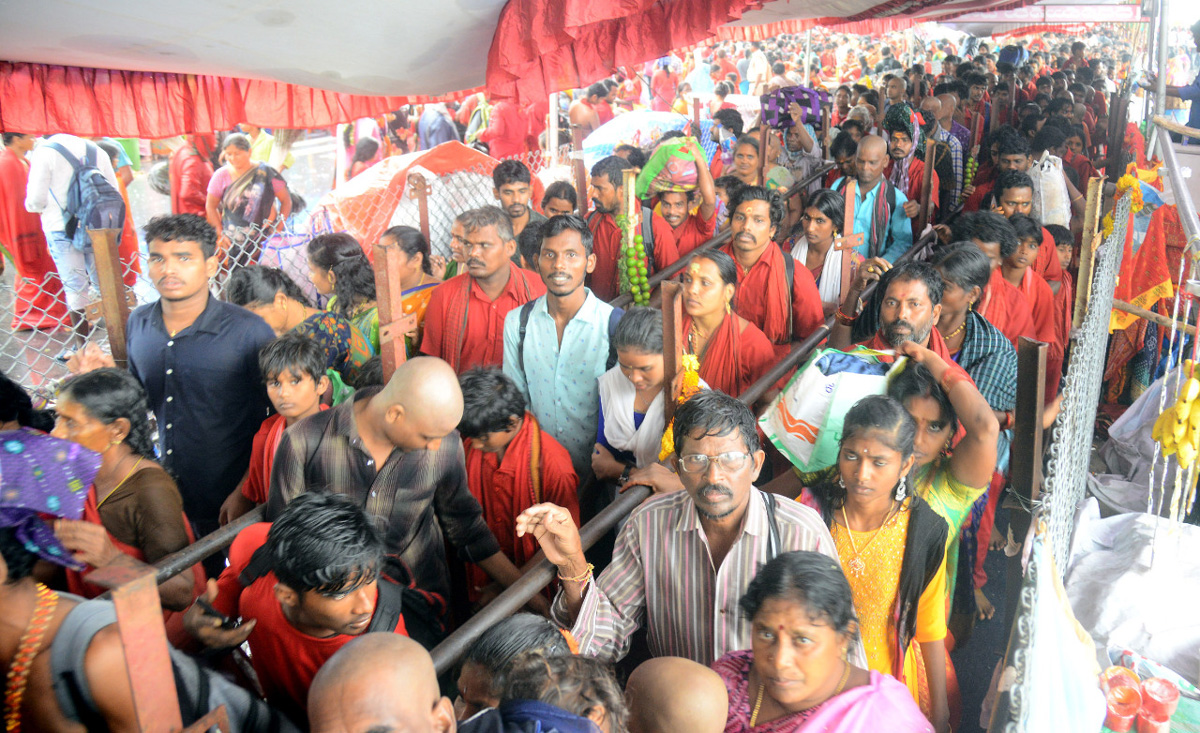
point(40, 99)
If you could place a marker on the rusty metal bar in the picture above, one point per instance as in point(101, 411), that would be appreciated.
point(536, 574)
point(672, 311)
point(624, 300)
point(419, 189)
point(580, 170)
point(175, 563)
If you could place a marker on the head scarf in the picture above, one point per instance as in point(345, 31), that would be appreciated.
point(41, 475)
point(901, 117)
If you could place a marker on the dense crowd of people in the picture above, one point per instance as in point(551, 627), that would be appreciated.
point(744, 595)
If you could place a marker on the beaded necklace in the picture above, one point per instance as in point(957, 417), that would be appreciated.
point(22, 661)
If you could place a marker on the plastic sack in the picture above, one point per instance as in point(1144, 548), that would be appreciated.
point(672, 167)
point(805, 423)
point(1051, 202)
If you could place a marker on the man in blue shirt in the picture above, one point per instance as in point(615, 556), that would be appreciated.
point(883, 222)
point(564, 348)
point(1189, 93)
point(197, 357)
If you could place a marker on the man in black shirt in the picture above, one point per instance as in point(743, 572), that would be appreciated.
point(197, 357)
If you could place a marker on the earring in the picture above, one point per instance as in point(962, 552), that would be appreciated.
point(841, 483)
point(728, 308)
point(902, 489)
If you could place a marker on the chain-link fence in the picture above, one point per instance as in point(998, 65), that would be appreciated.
point(1065, 474)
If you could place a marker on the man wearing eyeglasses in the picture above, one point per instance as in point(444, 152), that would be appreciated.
point(464, 321)
point(684, 559)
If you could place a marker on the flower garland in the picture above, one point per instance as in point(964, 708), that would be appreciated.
point(1133, 186)
point(689, 385)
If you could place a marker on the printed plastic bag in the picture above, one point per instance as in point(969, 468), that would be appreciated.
point(805, 423)
point(672, 167)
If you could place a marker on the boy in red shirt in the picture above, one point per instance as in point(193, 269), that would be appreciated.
point(304, 586)
point(293, 367)
point(512, 464)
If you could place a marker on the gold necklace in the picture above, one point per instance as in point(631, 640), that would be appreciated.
point(121, 482)
point(762, 688)
point(856, 564)
point(956, 331)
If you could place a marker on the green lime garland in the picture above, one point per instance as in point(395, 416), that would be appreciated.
point(968, 176)
point(631, 265)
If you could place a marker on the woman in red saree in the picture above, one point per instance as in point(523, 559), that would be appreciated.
point(133, 506)
point(733, 352)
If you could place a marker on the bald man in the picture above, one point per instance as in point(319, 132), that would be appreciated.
point(947, 122)
point(671, 694)
point(394, 450)
point(379, 683)
point(931, 113)
point(878, 205)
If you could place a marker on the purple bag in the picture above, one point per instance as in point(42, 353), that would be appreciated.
point(775, 106)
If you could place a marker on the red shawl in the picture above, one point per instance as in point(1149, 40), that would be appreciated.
point(1047, 323)
point(734, 360)
point(1006, 309)
point(1047, 264)
point(457, 303)
point(535, 469)
point(39, 301)
point(774, 300)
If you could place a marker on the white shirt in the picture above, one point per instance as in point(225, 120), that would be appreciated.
point(50, 176)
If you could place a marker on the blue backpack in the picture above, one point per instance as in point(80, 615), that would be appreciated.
point(92, 202)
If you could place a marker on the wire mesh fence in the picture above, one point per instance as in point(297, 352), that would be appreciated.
point(1065, 473)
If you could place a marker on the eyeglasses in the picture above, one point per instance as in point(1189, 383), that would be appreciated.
point(698, 462)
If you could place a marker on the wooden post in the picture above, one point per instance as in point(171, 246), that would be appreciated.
point(672, 310)
point(849, 239)
point(696, 118)
point(114, 298)
point(826, 138)
point(581, 174)
point(763, 131)
point(418, 189)
point(1025, 463)
point(393, 322)
point(144, 639)
point(1087, 250)
point(926, 186)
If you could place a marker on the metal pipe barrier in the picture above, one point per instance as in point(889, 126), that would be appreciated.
point(1183, 200)
point(625, 299)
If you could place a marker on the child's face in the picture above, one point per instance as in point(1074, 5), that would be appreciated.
point(721, 194)
point(1025, 254)
point(1066, 252)
point(497, 441)
point(296, 395)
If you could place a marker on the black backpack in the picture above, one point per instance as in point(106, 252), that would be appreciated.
point(92, 202)
point(613, 319)
point(399, 597)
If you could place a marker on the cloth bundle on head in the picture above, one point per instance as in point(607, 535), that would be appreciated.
point(902, 117)
point(41, 475)
point(672, 167)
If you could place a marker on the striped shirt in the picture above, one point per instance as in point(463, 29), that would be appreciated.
point(662, 575)
point(956, 157)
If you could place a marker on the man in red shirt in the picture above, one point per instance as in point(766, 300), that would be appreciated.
point(608, 194)
point(512, 464)
point(692, 230)
point(785, 311)
point(304, 586)
point(464, 321)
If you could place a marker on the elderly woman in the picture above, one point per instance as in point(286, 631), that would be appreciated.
point(241, 203)
point(796, 676)
point(133, 505)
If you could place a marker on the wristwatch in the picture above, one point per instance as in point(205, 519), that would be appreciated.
point(625, 475)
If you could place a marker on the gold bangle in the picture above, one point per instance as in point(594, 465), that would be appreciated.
point(579, 578)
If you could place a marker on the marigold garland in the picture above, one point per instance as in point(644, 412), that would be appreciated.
point(1130, 184)
point(689, 385)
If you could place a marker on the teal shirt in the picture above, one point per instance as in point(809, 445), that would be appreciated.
point(899, 234)
point(559, 382)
